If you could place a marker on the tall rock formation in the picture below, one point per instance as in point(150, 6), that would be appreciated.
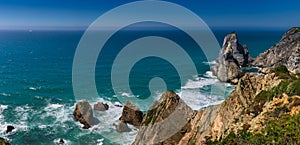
point(286, 52)
point(231, 58)
point(166, 122)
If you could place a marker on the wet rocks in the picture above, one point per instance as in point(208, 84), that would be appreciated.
point(122, 127)
point(9, 128)
point(100, 106)
point(84, 114)
point(131, 114)
point(4, 142)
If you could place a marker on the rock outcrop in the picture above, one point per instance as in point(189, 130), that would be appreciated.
point(256, 100)
point(4, 142)
point(231, 58)
point(285, 52)
point(166, 122)
point(131, 114)
point(9, 128)
point(100, 106)
point(122, 127)
point(84, 114)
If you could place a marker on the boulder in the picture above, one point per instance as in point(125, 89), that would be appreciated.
point(232, 57)
point(9, 128)
point(84, 114)
point(61, 141)
point(100, 106)
point(131, 114)
point(285, 52)
point(122, 127)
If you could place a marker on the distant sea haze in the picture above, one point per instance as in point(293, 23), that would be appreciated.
point(36, 94)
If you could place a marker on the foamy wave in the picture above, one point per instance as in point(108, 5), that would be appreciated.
point(2, 108)
point(60, 112)
point(197, 100)
point(100, 141)
point(210, 63)
point(5, 94)
point(193, 84)
point(209, 74)
point(34, 88)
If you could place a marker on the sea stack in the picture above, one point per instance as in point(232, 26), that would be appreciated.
point(231, 58)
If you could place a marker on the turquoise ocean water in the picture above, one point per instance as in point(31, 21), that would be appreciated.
point(36, 94)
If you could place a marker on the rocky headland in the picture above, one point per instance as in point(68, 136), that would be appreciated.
point(264, 107)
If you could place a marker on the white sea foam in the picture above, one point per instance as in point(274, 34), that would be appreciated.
point(193, 84)
point(2, 108)
point(100, 141)
point(34, 88)
point(210, 63)
point(5, 94)
point(209, 74)
point(60, 112)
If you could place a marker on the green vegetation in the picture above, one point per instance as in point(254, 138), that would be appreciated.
point(282, 72)
point(150, 114)
point(283, 130)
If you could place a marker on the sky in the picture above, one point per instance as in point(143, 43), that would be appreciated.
point(29, 14)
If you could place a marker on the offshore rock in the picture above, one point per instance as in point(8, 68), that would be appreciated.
point(285, 52)
point(9, 128)
point(84, 114)
point(100, 106)
point(122, 127)
point(231, 58)
point(131, 114)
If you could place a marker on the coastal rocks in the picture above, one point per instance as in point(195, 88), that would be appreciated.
point(9, 128)
point(166, 121)
point(131, 114)
point(122, 127)
point(285, 52)
point(4, 142)
point(227, 71)
point(84, 114)
point(100, 106)
point(231, 58)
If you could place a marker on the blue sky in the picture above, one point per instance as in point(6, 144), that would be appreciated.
point(216, 13)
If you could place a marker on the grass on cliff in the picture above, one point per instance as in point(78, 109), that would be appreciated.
point(283, 130)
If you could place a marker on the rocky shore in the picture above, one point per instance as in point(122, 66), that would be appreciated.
point(264, 107)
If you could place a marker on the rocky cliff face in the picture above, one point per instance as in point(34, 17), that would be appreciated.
point(166, 122)
point(4, 142)
point(286, 52)
point(247, 109)
point(231, 58)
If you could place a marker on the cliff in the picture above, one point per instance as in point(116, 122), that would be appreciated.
point(257, 100)
point(264, 108)
point(286, 52)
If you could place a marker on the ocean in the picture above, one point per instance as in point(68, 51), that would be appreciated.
point(36, 93)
